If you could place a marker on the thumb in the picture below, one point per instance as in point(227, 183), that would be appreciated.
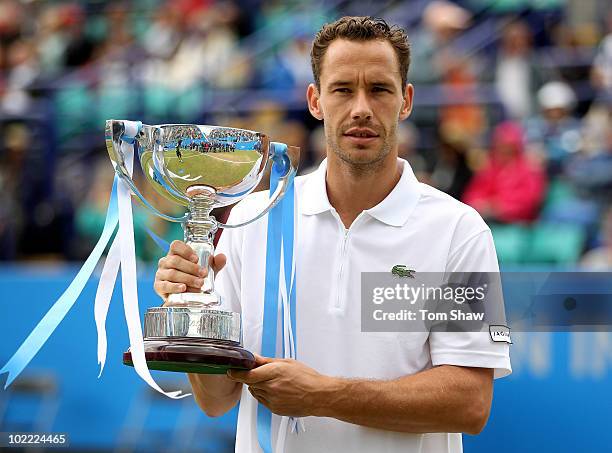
point(218, 262)
point(261, 360)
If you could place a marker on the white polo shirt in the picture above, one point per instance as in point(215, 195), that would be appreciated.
point(415, 225)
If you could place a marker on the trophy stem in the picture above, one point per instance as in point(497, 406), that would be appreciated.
point(200, 226)
point(200, 229)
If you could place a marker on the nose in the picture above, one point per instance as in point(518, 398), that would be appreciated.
point(361, 109)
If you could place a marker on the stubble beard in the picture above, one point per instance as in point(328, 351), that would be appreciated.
point(357, 167)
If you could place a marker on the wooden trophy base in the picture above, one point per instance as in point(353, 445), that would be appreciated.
point(194, 355)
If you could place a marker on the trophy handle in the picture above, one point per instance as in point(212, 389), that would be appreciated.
point(288, 157)
point(143, 201)
point(116, 133)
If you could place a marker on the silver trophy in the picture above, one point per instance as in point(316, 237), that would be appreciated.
point(200, 168)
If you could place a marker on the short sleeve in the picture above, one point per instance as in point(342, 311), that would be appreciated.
point(471, 349)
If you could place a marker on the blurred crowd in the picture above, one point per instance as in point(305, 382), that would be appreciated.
point(513, 109)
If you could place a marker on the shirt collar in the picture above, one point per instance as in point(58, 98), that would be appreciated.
point(315, 200)
point(394, 210)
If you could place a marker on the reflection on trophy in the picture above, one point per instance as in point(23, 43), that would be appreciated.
point(201, 168)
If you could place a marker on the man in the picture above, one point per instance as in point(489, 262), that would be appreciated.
point(361, 211)
point(178, 151)
point(554, 135)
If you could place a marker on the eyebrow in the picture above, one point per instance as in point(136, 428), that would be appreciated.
point(343, 83)
point(383, 84)
point(340, 83)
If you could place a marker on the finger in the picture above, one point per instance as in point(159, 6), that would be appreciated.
point(163, 288)
point(179, 263)
point(261, 360)
point(239, 376)
point(217, 263)
point(172, 275)
point(258, 392)
point(259, 396)
point(254, 376)
point(181, 249)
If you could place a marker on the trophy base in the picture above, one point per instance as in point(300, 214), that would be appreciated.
point(197, 300)
point(194, 355)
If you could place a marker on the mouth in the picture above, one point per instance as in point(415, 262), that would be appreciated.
point(361, 135)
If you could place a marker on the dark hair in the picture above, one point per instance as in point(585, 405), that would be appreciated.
point(355, 28)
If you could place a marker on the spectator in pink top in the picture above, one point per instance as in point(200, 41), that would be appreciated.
point(509, 188)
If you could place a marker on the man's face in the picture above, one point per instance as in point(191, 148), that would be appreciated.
point(361, 100)
point(555, 114)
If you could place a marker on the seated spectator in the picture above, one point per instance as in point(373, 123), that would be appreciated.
point(407, 148)
point(452, 173)
point(510, 187)
point(554, 134)
point(15, 141)
point(433, 46)
point(517, 73)
point(590, 170)
point(601, 75)
point(600, 258)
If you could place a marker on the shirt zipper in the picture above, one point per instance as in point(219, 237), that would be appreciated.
point(338, 304)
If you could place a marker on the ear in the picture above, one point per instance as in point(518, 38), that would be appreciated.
point(312, 94)
point(407, 104)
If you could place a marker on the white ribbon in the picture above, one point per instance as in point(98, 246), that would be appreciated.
point(103, 298)
point(295, 424)
point(122, 253)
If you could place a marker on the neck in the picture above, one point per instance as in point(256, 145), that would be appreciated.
point(352, 190)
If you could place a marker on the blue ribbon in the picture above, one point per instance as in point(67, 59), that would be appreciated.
point(287, 233)
point(161, 242)
point(62, 306)
point(280, 231)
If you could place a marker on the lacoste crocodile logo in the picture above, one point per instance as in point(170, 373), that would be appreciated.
point(402, 271)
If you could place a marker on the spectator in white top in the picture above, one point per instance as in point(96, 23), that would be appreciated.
point(516, 71)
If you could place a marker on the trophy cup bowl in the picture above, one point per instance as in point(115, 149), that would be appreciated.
point(201, 168)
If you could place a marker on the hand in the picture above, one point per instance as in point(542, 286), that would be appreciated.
point(179, 271)
point(285, 386)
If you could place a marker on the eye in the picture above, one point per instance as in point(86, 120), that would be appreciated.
point(380, 89)
point(342, 90)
